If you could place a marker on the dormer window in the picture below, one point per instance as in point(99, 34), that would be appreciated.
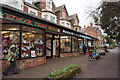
point(63, 14)
point(48, 5)
point(76, 22)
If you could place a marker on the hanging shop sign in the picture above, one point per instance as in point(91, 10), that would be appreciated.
point(71, 33)
point(85, 37)
point(19, 19)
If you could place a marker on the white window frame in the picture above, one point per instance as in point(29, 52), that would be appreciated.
point(46, 17)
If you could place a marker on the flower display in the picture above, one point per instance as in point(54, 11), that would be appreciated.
point(61, 71)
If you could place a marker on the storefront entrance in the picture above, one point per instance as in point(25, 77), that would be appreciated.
point(52, 46)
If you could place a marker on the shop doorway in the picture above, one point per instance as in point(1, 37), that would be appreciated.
point(52, 46)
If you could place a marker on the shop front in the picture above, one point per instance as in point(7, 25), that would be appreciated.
point(36, 39)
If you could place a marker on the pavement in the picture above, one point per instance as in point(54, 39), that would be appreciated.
point(105, 67)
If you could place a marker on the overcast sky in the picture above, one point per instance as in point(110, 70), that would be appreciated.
point(80, 7)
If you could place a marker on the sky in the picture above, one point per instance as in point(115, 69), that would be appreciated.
point(80, 7)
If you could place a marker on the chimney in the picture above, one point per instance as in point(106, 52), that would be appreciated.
point(84, 27)
point(91, 24)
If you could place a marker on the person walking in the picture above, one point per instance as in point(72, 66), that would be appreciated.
point(11, 57)
point(105, 48)
point(84, 48)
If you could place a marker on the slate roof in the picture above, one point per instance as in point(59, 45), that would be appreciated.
point(59, 8)
point(31, 5)
point(72, 17)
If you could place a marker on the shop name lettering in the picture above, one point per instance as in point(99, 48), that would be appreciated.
point(27, 21)
point(71, 33)
point(15, 18)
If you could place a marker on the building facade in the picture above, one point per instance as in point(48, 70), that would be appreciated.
point(37, 37)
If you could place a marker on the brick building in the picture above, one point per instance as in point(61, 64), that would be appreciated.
point(74, 20)
point(40, 31)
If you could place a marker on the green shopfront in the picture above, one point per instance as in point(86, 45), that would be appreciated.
point(37, 39)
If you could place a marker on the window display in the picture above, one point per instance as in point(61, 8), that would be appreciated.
point(32, 43)
point(65, 43)
point(10, 35)
point(80, 44)
point(74, 44)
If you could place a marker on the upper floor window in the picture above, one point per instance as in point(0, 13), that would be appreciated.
point(52, 19)
point(67, 24)
point(48, 6)
point(62, 23)
point(63, 14)
point(76, 29)
point(46, 17)
point(32, 12)
point(76, 22)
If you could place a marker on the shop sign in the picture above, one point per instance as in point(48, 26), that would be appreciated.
point(86, 37)
point(27, 21)
point(71, 33)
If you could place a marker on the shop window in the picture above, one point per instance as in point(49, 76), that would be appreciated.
point(32, 42)
point(65, 43)
point(80, 44)
point(74, 44)
point(10, 34)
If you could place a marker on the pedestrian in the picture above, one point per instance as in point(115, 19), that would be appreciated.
point(11, 57)
point(84, 48)
point(105, 48)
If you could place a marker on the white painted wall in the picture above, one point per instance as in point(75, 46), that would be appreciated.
point(49, 16)
point(13, 3)
point(65, 23)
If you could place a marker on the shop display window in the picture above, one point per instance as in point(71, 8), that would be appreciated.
point(65, 43)
point(80, 44)
point(10, 34)
point(32, 42)
point(74, 44)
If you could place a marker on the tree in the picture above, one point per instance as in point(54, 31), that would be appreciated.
point(107, 15)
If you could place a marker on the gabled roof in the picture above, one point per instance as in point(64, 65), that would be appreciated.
point(58, 9)
point(31, 5)
point(72, 17)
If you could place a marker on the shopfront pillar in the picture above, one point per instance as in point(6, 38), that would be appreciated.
point(59, 45)
point(71, 44)
point(20, 44)
point(44, 32)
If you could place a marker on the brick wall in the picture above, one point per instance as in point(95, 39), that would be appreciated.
point(90, 32)
point(43, 5)
point(39, 14)
point(25, 9)
point(60, 13)
point(26, 63)
point(53, 8)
